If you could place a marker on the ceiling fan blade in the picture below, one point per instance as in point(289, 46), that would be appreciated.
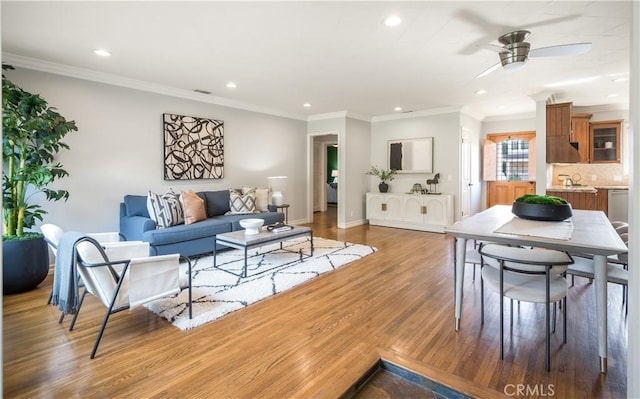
point(495, 48)
point(562, 49)
point(488, 70)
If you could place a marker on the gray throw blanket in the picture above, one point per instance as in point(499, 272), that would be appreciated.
point(65, 277)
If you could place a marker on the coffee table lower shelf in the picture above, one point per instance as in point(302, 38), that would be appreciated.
point(240, 240)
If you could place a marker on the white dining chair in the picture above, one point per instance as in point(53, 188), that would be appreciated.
point(529, 275)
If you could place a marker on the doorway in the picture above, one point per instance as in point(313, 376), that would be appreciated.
point(324, 176)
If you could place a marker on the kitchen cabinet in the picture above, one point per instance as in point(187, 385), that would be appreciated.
point(578, 199)
point(559, 148)
point(605, 141)
point(410, 211)
point(580, 135)
point(602, 202)
point(559, 119)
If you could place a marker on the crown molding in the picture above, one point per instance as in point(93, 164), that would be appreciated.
point(416, 114)
point(511, 117)
point(601, 108)
point(329, 115)
point(116, 80)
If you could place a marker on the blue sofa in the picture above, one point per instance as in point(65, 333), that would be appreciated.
point(186, 239)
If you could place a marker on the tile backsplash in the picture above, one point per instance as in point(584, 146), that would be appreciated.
point(610, 174)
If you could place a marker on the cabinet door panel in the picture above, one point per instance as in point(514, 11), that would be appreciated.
point(413, 210)
point(394, 207)
point(374, 207)
point(436, 213)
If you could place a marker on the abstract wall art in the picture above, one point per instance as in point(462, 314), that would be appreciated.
point(193, 148)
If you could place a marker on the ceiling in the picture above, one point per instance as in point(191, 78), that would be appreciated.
point(337, 56)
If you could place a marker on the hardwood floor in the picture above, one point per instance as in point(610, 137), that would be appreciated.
point(317, 339)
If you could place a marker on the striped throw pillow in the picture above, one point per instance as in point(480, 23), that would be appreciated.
point(166, 209)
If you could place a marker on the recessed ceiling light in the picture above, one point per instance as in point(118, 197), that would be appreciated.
point(502, 107)
point(612, 95)
point(397, 109)
point(102, 52)
point(480, 92)
point(392, 20)
point(231, 85)
point(306, 105)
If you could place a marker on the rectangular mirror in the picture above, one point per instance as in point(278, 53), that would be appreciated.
point(411, 155)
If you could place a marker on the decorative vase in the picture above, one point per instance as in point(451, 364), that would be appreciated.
point(25, 264)
point(383, 187)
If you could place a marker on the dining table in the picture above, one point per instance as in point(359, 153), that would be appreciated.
point(586, 232)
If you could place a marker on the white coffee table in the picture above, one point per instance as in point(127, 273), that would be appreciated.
point(240, 240)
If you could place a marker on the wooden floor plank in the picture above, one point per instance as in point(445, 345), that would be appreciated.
point(317, 339)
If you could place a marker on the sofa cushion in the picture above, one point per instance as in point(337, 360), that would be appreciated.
point(165, 209)
point(136, 205)
point(217, 202)
point(184, 232)
point(193, 206)
point(241, 204)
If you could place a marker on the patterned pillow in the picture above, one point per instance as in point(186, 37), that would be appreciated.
point(193, 206)
point(241, 204)
point(262, 197)
point(165, 209)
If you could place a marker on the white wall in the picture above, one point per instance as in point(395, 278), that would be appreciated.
point(356, 158)
point(118, 149)
point(445, 130)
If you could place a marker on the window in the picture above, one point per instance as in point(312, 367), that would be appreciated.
point(509, 157)
point(512, 160)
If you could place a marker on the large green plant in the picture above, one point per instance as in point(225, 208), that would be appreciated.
point(31, 137)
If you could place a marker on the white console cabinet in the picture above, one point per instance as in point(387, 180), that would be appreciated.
point(410, 211)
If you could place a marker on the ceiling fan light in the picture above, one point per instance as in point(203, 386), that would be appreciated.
point(514, 66)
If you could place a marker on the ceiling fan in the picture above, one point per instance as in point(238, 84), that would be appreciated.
point(515, 51)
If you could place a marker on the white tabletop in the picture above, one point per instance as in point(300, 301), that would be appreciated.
point(592, 232)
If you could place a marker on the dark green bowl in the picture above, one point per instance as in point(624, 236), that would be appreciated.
point(549, 213)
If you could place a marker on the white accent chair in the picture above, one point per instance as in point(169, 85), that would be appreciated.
point(53, 233)
point(526, 274)
point(123, 276)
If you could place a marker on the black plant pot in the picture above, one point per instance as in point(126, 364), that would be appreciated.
point(383, 187)
point(25, 264)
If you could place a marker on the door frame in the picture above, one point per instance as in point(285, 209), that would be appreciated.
point(311, 139)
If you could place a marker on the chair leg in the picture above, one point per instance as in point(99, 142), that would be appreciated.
point(99, 337)
point(474, 272)
point(481, 301)
point(553, 329)
point(511, 316)
point(501, 310)
point(564, 322)
point(75, 316)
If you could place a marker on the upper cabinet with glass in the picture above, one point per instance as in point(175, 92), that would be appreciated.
point(605, 141)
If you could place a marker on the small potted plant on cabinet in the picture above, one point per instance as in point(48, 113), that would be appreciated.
point(31, 137)
point(384, 175)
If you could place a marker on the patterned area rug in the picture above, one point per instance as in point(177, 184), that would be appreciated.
point(271, 270)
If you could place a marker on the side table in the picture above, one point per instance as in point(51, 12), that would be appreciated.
point(286, 211)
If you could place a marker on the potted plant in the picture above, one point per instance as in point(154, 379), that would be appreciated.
point(541, 207)
point(31, 137)
point(384, 175)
